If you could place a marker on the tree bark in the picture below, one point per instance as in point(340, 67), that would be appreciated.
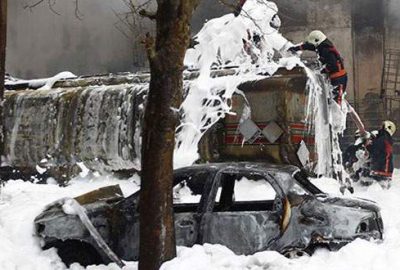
point(3, 43)
point(157, 233)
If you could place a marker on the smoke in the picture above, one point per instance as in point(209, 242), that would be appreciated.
point(392, 24)
point(393, 14)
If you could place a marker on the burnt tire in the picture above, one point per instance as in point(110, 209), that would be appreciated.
point(75, 251)
point(295, 253)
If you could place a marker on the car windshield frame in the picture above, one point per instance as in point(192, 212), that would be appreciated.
point(302, 179)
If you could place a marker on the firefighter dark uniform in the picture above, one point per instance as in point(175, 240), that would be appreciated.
point(333, 62)
point(381, 155)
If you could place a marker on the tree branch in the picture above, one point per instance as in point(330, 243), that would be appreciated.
point(130, 21)
point(148, 14)
point(33, 5)
point(51, 4)
point(78, 13)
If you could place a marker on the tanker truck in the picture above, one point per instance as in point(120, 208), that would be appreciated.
point(95, 121)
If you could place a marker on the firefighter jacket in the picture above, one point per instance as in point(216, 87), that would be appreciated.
point(381, 154)
point(329, 56)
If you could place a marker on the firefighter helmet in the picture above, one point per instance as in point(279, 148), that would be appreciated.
point(389, 126)
point(316, 37)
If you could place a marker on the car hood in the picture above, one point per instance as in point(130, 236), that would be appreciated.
point(93, 201)
point(349, 202)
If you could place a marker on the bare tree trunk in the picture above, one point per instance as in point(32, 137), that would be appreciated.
point(157, 234)
point(3, 43)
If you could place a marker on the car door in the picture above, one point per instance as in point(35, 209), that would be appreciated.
point(245, 216)
point(187, 196)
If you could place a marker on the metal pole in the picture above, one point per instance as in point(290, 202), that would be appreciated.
point(3, 44)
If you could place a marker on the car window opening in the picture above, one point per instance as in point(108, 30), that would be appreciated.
point(234, 190)
point(188, 191)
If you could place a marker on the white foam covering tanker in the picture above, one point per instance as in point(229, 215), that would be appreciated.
point(97, 120)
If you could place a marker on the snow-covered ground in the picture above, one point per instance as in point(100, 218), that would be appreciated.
point(21, 201)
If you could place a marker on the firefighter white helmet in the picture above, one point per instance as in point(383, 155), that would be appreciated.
point(389, 126)
point(315, 38)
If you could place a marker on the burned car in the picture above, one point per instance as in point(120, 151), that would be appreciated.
point(248, 207)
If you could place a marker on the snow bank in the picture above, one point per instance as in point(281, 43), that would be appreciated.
point(21, 202)
point(213, 257)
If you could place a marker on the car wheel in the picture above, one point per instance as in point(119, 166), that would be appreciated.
point(295, 253)
point(75, 251)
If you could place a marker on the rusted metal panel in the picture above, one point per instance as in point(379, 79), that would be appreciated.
point(105, 193)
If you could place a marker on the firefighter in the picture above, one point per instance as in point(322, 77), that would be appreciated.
point(381, 154)
point(330, 58)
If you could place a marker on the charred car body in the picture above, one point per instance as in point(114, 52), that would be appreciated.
point(289, 215)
